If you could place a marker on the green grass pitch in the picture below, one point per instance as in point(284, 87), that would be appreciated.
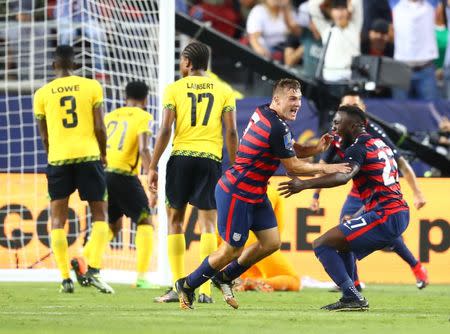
point(39, 308)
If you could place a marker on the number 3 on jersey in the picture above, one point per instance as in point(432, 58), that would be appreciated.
point(198, 99)
point(390, 174)
point(72, 118)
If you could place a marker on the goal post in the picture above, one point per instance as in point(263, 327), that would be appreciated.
point(115, 42)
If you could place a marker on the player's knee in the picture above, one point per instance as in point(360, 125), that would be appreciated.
point(175, 227)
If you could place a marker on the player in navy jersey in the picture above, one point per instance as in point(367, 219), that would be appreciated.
point(374, 172)
point(241, 198)
point(353, 202)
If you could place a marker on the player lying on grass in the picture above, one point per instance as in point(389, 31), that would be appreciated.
point(241, 198)
point(374, 172)
point(275, 272)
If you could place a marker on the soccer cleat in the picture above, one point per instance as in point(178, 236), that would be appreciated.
point(227, 291)
point(185, 295)
point(204, 299)
point(142, 283)
point(66, 286)
point(98, 282)
point(80, 269)
point(170, 296)
point(346, 304)
point(421, 275)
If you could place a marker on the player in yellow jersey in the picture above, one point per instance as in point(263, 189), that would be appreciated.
point(129, 132)
point(274, 272)
point(199, 107)
point(70, 119)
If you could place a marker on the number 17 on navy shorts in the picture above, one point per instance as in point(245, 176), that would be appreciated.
point(235, 218)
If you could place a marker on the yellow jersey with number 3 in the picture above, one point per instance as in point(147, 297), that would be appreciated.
point(199, 103)
point(67, 106)
point(123, 126)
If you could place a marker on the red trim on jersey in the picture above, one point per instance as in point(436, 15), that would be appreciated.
point(248, 150)
point(230, 177)
point(263, 119)
point(251, 189)
point(230, 219)
point(256, 176)
point(395, 210)
point(373, 224)
point(223, 186)
point(255, 141)
point(260, 131)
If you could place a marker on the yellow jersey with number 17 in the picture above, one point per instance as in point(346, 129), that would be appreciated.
point(124, 125)
point(199, 103)
point(67, 105)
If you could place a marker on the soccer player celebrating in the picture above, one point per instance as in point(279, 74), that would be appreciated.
point(199, 106)
point(353, 202)
point(70, 120)
point(129, 133)
point(242, 202)
point(374, 172)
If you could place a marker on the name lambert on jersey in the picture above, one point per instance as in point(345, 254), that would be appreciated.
point(205, 85)
point(66, 89)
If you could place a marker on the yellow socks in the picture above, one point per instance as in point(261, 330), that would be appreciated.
point(208, 244)
point(88, 246)
point(97, 243)
point(60, 250)
point(176, 249)
point(144, 248)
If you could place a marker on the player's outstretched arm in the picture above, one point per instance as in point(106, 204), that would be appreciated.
point(305, 151)
point(162, 140)
point(100, 130)
point(42, 125)
point(296, 185)
point(296, 167)
point(410, 176)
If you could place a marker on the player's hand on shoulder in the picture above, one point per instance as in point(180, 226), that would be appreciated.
point(324, 142)
point(289, 188)
point(419, 200)
point(152, 180)
point(337, 168)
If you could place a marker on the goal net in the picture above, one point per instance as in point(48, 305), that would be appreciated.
point(115, 42)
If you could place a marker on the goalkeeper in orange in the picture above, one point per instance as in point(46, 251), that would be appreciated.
point(275, 272)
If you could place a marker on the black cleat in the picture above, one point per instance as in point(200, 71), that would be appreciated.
point(95, 280)
point(346, 304)
point(79, 267)
point(227, 291)
point(185, 295)
point(170, 296)
point(204, 299)
point(66, 286)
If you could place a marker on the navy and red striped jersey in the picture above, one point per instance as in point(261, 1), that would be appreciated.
point(335, 152)
point(377, 179)
point(266, 140)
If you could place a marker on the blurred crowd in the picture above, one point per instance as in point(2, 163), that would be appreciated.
point(297, 33)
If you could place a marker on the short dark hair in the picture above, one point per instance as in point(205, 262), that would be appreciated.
point(137, 90)
point(64, 55)
point(354, 112)
point(198, 54)
point(286, 83)
point(380, 25)
point(338, 4)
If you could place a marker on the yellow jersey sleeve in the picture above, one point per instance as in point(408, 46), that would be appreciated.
point(230, 102)
point(38, 105)
point(97, 93)
point(169, 100)
point(145, 125)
